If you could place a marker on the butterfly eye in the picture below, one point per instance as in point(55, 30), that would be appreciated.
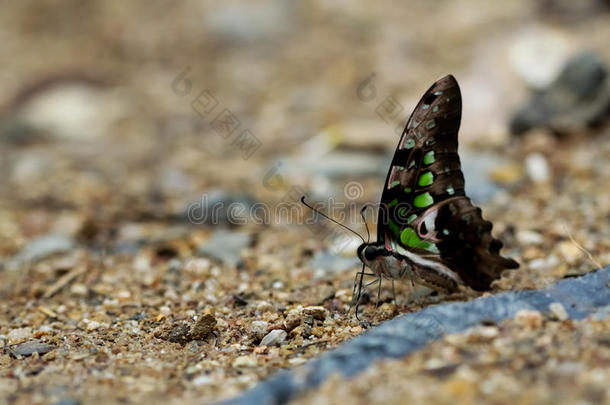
point(370, 253)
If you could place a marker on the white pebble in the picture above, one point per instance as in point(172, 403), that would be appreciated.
point(526, 237)
point(558, 311)
point(537, 167)
point(274, 337)
point(19, 335)
point(259, 328)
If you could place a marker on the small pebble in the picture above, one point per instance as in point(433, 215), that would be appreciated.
point(203, 327)
point(79, 289)
point(264, 306)
point(293, 319)
point(483, 334)
point(274, 337)
point(569, 251)
point(537, 167)
point(525, 237)
point(31, 347)
point(258, 328)
point(316, 311)
point(93, 325)
point(558, 311)
point(19, 335)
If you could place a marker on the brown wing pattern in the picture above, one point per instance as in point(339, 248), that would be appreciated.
point(423, 206)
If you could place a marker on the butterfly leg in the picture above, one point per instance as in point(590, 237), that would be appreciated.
point(394, 293)
point(357, 287)
point(378, 292)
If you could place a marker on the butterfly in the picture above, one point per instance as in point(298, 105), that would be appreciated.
point(428, 230)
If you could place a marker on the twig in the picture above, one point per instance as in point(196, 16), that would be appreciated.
point(64, 280)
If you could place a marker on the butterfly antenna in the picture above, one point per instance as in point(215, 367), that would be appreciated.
point(368, 234)
point(330, 219)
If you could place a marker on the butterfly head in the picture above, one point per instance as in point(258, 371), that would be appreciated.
point(369, 252)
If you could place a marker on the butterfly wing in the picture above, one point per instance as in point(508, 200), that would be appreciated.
point(424, 208)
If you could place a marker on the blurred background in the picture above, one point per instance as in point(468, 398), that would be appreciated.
point(122, 123)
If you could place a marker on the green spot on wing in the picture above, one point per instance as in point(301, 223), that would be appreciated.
point(450, 190)
point(411, 218)
point(431, 247)
point(438, 93)
point(407, 189)
point(430, 124)
point(445, 231)
point(393, 203)
point(409, 237)
point(435, 108)
point(423, 200)
point(410, 143)
point(426, 179)
point(429, 158)
point(425, 106)
point(393, 227)
point(394, 183)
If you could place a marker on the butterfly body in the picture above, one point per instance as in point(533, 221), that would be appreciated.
point(428, 230)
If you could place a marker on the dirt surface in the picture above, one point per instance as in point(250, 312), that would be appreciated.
point(106, 152)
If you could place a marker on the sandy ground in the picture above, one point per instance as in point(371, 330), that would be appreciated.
point(103, 146)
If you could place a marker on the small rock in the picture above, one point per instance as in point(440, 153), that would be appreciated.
point(273, 338)
point(203, 327)
point(264, 306)
point(558, 311)
point(179, 334)
point(258, 329)
point(537, 167)
point(293, 319)
point(316, 311)
point(387, 310)
point(297, 361)
point(569, 251)
point(244, 362)
point(79, 289)
point(483, 334)
point(544, 263)
point(578, 97)
point(19, 335)
point(529, 318)
point(41, 248)
point(526, 238)
point(537, 55)
point(31, 347)
point(93, 325)
point(326, 292)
